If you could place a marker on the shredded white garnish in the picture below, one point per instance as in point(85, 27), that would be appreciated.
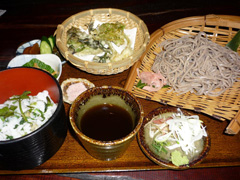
point(182, 129)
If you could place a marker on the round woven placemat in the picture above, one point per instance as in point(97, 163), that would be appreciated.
point(103, 15)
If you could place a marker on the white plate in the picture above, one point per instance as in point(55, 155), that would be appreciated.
point(49, 59)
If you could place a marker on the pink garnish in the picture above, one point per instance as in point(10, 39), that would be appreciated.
point(161, 120)
point(154, 81)
point(158, 121)
point(74, 90)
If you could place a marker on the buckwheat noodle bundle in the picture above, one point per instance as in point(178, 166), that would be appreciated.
point(196, 64)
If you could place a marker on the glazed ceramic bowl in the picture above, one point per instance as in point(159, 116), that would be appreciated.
point(38, 146)
point(110, 149)
point(49, 59)
point(157, 159)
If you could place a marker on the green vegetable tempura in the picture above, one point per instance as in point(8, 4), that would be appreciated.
point(99, 42)
point(111, 32)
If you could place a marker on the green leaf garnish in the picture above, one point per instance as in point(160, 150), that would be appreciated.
point(235, 42)
point(140, 84)
point(160, 146)
point(166, 86)
point(6, 112)
point(49, 103)
point(9, 137)
point(19, 98)
point(22, 121)
point(24, 95)
point(41, 113)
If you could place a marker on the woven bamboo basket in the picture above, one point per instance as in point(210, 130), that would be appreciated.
point(104, 15)
point(220, 29)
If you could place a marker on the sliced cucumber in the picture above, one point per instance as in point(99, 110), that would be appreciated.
point(51, 40)
point(45, 46)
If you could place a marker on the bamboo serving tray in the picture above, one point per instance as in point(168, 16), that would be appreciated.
point(220, 29)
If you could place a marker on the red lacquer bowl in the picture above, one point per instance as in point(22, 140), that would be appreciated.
point(38, 146)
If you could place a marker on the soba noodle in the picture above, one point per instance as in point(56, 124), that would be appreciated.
point(196, 64)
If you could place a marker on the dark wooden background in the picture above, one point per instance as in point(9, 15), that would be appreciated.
point(42, 16)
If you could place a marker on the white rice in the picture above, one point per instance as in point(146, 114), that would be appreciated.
point(35, 110)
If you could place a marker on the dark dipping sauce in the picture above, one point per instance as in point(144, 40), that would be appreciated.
point(106, 122)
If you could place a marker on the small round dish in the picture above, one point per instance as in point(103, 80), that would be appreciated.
point(49, 59)
point(157, 159)
point(21, 48)
point(79, 86)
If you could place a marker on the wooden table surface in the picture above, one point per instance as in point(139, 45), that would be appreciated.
point(27, 20)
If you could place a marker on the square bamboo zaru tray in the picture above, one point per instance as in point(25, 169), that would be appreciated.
point(220, 29)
